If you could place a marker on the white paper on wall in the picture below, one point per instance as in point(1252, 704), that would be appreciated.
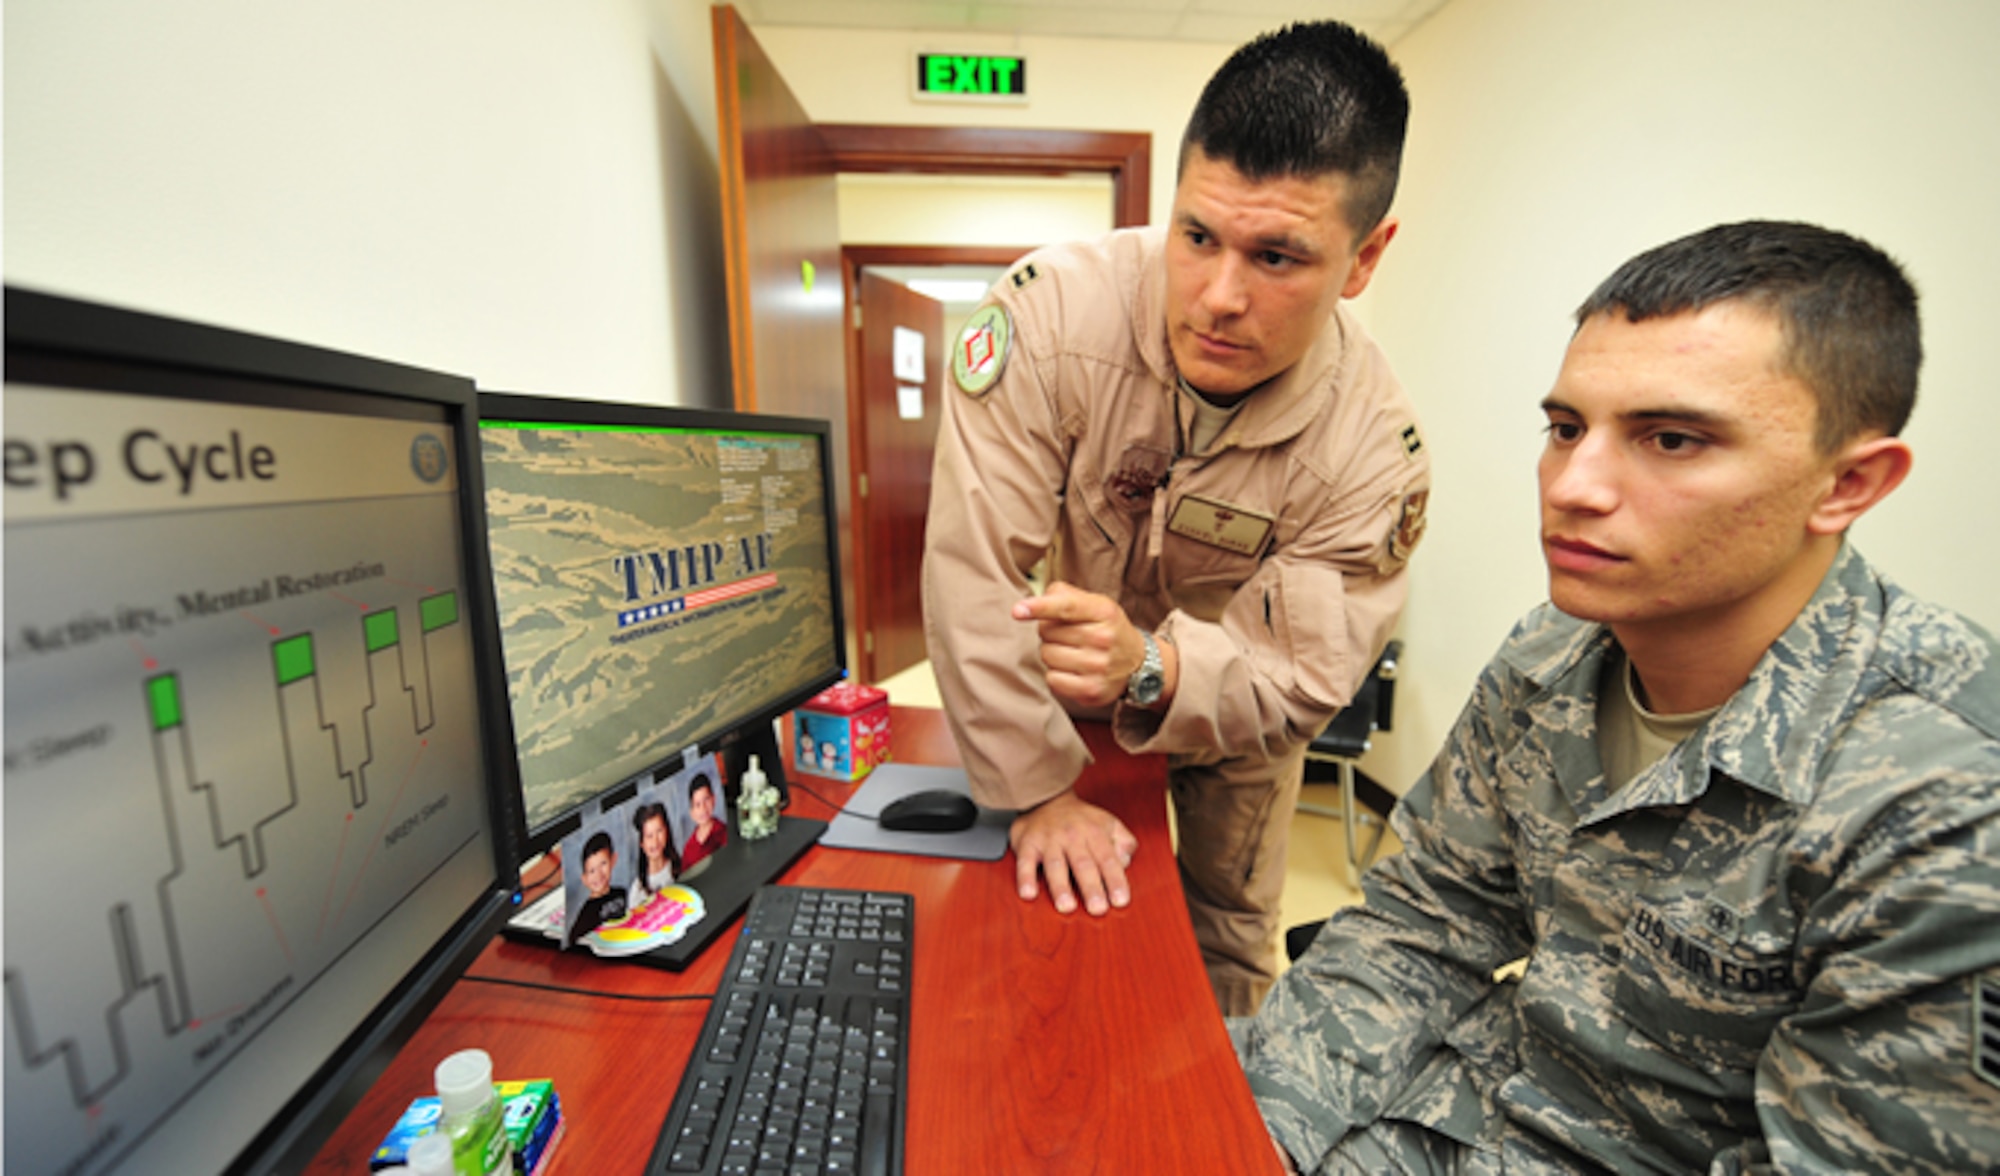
point(909, 355)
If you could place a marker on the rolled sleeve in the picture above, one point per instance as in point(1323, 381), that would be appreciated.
point(996, 483)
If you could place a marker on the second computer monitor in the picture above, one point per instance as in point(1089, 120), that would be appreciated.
point(253, 708)
point(665, 576)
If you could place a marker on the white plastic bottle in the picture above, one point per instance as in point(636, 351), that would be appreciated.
point(430, 1155)
point(756, 804)
point(472, 1117)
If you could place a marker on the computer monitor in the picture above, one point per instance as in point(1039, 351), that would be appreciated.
point(668, 584)
point(253, 705)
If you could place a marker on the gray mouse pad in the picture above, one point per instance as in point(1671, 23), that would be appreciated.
point(984, 842)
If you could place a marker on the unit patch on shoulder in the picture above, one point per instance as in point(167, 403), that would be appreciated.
point(981, 349)
point(1021, 277)
point(1410, 522)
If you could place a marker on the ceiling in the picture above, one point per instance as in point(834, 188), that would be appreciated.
point(1223, 21)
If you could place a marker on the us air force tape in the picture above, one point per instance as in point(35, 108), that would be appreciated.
point(981, 350)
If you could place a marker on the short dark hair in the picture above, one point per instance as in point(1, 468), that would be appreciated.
point(600, 842)
point(1846, 310)
point(1309, 99)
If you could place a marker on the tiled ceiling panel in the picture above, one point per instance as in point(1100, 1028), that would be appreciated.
point(1223, 21)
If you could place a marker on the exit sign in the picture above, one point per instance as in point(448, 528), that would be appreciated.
point(971, 76)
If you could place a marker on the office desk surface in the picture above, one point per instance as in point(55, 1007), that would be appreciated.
point(1038, 1042)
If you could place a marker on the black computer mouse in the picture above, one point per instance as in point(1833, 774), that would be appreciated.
point(936, 810)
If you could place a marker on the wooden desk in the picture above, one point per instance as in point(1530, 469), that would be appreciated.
point(1038, 1042)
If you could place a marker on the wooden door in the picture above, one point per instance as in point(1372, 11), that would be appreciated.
point(788, 350)
point(781, 248)
point(896, 430)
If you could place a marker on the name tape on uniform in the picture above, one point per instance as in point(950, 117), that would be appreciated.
point(1221, 524)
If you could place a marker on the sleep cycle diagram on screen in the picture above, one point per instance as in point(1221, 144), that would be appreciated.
point(241, 735)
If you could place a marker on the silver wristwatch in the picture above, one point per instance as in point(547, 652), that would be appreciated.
point(1149, 681)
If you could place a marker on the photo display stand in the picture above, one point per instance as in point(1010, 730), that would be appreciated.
point(600, 902)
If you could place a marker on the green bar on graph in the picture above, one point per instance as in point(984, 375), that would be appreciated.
point(293, 658)
point(163, 697)
point(438, 611)
point(379, 628)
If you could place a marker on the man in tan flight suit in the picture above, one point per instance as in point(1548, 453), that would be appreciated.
point(1224, 475)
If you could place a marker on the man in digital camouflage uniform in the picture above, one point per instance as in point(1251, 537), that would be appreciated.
point(1733, 795)
point(1224, 475)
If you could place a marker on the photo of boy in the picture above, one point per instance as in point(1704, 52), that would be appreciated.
point(708, 833)
point(592, 899)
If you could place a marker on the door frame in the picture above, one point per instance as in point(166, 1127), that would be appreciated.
point(1126, 157)
point(853, 258)
point(790, 144)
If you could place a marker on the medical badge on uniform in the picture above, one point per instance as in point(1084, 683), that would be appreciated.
point(981, 349)
point(1220, 524)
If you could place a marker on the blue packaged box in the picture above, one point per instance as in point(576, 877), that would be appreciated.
point(533, 1122)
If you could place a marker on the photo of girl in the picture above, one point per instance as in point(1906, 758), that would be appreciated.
point(657, 864)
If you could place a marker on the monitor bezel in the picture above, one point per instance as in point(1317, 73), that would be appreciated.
point(62, 341)
point(527, 408)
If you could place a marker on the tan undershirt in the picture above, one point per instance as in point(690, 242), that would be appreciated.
point(1631, 738)
point(1209, 419)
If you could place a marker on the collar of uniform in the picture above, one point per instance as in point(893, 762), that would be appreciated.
point(1771, 733)
point(1548, 644)
point(1277, 410)
point(1149, 308)
point(1857, 635)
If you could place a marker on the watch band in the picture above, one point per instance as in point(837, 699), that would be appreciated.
point(1149, 681)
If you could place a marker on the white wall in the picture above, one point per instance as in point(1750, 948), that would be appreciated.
point(1074, 83)
point(525, 192)
point(898, 209)
point(518, 191)
point(1552, 139)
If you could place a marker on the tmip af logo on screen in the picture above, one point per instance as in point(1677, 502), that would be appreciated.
point(428, 457)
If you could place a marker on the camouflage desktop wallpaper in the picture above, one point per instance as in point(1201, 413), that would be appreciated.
point(655, 586)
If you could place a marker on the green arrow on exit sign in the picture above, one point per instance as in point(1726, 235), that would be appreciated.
point(956, 75)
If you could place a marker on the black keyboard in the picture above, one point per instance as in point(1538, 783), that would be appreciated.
point(800, 1066)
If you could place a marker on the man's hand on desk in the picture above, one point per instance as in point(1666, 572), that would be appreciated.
point(1079, 847)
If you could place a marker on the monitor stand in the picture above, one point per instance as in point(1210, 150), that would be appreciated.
point(725, 882)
